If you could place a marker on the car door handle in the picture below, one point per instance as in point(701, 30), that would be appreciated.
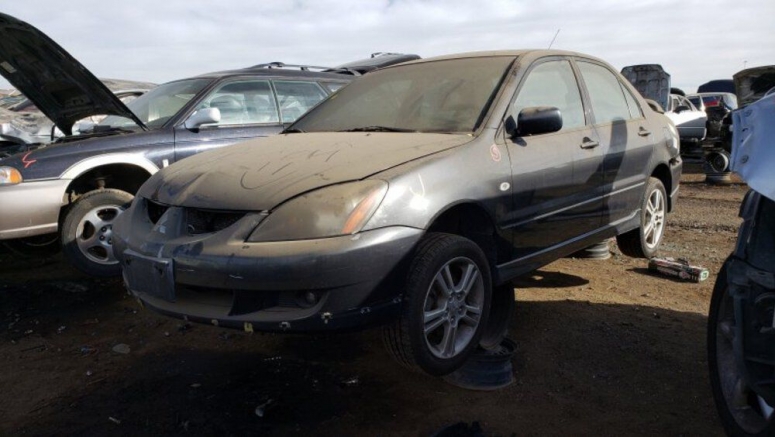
point(644, 132)
point(589, 144)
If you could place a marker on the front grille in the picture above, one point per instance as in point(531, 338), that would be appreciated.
point(202, 221)
point(155, 210)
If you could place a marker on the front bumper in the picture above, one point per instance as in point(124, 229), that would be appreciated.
point(220, 279)
point(31, 208)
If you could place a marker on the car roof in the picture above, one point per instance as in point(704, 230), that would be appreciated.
point(533, 53)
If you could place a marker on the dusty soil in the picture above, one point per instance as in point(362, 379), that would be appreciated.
point(603, 348)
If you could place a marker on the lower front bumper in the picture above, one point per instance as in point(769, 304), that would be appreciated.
point(31, 208)
point(350, 280)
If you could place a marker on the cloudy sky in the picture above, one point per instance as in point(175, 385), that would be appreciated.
point(162, 40)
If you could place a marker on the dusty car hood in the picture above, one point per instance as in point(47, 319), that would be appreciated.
point(753, 83)
point(260, 174)
point(651, 81)
point(57, 83)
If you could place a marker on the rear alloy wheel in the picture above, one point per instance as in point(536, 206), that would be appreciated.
point(87, 231)
point(445, 307)
point(644, 241)
point(742, 411)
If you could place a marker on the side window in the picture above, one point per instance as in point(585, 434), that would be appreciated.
point(243, 102)
point(632, 103)
point(296, 98)
point(552, 83)
point(605, 93)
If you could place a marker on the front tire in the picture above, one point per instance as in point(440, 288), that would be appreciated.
point(741, 411)
point(644, 241)
point(87, 231)
point(445, 305)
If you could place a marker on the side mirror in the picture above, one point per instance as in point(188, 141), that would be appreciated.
point(534, 121)
point(681, 108)
point(203, 116)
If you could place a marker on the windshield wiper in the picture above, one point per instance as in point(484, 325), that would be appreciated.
point(377, 129)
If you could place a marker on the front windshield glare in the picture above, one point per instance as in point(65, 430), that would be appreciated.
point(438, 96)
point(160, 104)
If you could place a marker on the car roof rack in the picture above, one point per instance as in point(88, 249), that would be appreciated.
point(284, 65)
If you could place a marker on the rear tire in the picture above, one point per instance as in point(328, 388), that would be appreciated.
point(644, 241)
point(87, 231)
point(445, 305)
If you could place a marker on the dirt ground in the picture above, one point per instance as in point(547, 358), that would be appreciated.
point(603, 348)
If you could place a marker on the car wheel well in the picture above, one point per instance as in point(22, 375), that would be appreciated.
point(473, 222)
point(662, 172)
point(124, 177)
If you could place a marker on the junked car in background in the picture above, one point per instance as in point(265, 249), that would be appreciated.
point(410, 198)
point(653, 82)
point(73, 189)
point(25, 124)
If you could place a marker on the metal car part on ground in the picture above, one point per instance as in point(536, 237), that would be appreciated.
point(415, 213)
point(71, 191)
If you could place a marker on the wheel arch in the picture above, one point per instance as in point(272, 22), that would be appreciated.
point(125, 172)
point(662, 172)
point(471, 220)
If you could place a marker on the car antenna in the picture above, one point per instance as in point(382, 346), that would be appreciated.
point(555, 37)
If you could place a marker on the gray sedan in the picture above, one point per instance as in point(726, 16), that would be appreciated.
point(409, 198)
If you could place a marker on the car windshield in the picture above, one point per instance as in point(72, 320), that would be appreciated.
point(450, 96)
point(160, 104)
point(695, 101)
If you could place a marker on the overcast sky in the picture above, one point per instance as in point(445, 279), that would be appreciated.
point(162, 40)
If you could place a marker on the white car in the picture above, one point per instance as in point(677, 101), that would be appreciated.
point(690, 121)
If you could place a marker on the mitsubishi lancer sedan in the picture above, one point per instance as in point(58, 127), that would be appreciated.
point(409, 198)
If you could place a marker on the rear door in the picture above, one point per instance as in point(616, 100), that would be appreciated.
point(554, 174)
point(626, 140)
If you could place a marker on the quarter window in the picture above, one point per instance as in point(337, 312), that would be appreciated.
point(605, 93)
point(243, 102)
point(632, 103)
point(552, 83)
point(296, 98)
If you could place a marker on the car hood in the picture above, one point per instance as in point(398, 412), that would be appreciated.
point(59, 85)
point(651, 80)
point(260, 174)
point(753, 83)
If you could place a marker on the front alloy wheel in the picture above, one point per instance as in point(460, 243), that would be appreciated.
point(87, 231)
point(453, 307)
point(446, 302)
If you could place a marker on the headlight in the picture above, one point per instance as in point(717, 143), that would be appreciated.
point(9, 176)
point(328, 212)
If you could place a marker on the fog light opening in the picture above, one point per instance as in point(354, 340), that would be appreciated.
point(307, 299)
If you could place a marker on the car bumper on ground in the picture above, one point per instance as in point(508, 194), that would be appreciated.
point(305, 285)
point(30, 208)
